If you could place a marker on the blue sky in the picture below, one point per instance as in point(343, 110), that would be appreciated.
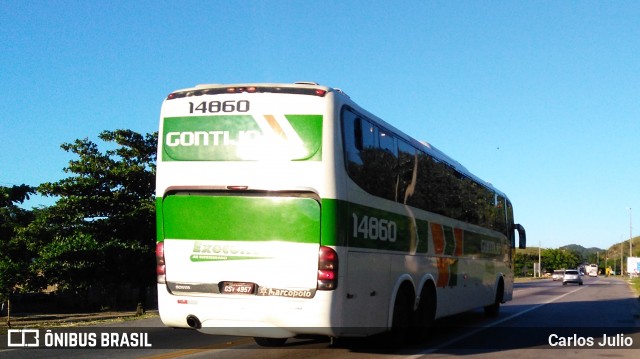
point(542, 98)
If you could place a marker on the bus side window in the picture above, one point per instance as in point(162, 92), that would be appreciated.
point(388, 144)
point(371, 155)
point(407, 164)
point(357, 133)
point(361, 148)
point(387, 165)
point(510, 227)
point(369, 131)
point(501, 217)
point(421, 196)
point(352, 135)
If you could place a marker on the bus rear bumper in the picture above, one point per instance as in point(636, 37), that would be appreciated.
point(249, 316)
point(257, 329)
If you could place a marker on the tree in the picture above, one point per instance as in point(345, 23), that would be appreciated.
point(559, 258)
point(524, 263)
point(15, 257)
point(550, 259)
point(100, 233)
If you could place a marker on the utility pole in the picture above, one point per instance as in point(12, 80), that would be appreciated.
point(621, 260)
point(630, 235)
point(539, 261)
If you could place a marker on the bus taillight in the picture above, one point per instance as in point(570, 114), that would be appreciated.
point(327, 269)
point(160, 266)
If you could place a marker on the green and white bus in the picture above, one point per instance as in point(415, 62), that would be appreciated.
point(288, 209)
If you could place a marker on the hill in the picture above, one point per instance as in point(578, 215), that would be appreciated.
point(614, 250)
point(585, 253)
point(611, 252)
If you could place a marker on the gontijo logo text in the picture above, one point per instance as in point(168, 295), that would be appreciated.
point(210, 138)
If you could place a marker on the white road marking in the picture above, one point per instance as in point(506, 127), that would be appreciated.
point(493, 324)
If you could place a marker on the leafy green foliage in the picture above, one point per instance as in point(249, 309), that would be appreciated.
point(100, 234)
point(559, 258)
point(573, 255)
point(550, 259)
point(15, 257)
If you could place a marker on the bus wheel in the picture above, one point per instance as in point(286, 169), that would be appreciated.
point(401, 322)
point(270, 342)
point(426, 313)
point(493, 310)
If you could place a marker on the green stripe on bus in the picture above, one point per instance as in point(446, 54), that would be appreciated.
point(334, 223)
point(375, 228)
point(357, 226)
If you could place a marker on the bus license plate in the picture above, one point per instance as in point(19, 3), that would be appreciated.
point(238, 288)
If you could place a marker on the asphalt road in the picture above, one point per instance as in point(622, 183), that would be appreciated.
point(545, 319)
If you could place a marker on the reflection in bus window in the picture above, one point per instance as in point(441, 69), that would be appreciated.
point(384, 165)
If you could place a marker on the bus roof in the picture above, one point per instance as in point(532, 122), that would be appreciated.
point(302, 88)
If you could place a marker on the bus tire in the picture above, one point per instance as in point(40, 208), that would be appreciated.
point(401, 321)
point(426, 313)
point(270, 342)
point(493, 310)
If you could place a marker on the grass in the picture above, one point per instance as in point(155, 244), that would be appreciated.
point(635, 285)
point(70, 322)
